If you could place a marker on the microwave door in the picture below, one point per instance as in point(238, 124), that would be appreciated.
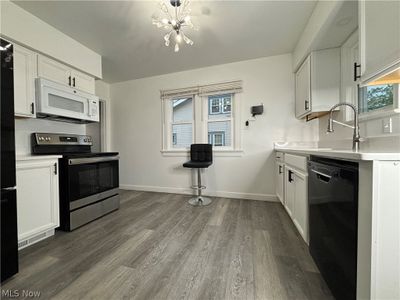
point(60, 103)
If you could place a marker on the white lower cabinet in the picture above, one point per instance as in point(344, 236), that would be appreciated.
point(279, 177)
point(37, 199)
point(295, 193)
point(300, 217)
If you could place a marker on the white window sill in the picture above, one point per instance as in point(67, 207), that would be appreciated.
point(216, 153)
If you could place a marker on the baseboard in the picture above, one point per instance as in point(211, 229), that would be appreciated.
point(186, 191)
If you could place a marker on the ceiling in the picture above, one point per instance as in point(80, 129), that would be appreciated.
point(131, 47)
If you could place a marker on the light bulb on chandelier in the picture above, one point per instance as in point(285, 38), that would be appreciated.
point(175, 22)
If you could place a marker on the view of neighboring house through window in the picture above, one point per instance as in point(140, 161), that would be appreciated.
point(182, 122)
point(202, 114)
point(377, 97)
point(220, 120)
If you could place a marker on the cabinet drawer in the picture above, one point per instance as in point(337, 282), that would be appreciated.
point(279, 156)
point(296, 161)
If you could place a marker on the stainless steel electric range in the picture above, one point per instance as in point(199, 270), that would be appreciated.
point(88, 181)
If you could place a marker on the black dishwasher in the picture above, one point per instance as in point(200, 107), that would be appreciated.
point(333, 210)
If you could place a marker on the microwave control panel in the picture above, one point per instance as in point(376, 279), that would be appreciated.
point(93, 108)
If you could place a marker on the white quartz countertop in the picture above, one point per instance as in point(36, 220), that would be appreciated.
point(341, 154)
point(37, 157)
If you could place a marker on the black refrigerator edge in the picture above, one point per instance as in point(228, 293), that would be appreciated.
point(9, 234)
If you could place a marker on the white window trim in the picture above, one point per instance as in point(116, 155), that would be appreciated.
point(199, 126)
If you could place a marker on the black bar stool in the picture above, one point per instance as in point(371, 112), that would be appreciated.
point(200, 157)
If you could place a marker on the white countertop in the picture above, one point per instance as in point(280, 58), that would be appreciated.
point(341, 154)
point(37, 157)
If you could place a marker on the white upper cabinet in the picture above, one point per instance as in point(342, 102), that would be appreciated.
point(53, 70)
point(303, 88)
point(379, 23)
point(349, 74)
point(60, 73)
point(25, 70)
point(317, 83)
point(82, 81)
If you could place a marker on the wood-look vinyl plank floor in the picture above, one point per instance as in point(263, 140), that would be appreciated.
point(157, 246)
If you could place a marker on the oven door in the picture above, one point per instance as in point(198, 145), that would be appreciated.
point(91, 176)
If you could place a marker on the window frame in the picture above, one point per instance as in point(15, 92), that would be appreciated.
point(168, 123)
point(200, 125)
point(380, 112)
point(223, 118)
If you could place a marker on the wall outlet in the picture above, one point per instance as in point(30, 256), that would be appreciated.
point(387, 125)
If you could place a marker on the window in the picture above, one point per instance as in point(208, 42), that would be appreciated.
point(220, 104)
point(202, 114)
point(220, 123)
point(182, 122)
point(377, 97)
point(174, 140)
point(216, 138)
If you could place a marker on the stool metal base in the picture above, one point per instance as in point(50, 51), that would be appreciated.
point(199, 201)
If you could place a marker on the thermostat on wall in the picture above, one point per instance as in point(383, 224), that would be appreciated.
point(257, 110)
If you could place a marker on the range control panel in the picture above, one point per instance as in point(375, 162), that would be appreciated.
point(62, 139)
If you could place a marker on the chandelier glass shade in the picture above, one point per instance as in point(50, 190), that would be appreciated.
point(175, 20)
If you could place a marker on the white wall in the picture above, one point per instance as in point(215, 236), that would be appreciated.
point(136, 129)
point(102, 90)
point(25, 127)
point(28, 30)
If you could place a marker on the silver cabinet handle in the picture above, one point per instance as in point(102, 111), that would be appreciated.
point(322, 174)
point(90, 160)
point(12, 188)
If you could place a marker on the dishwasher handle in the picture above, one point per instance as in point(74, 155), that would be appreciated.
point(322, 176)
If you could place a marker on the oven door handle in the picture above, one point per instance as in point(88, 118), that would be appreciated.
point(90, 160)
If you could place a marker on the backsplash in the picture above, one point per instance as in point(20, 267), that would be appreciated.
point(24, 128)
point(371, 132)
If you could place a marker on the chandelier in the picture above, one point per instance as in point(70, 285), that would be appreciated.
point(174, 22)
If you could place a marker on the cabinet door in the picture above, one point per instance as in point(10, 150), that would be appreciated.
point(303, 89)
point(379, 36)
point(300, 215)
point(37, 197)
point(349, 83)
point(53, 70)
point(25, 70)
point(280, 177)
point(82, 81)
point(289, 191)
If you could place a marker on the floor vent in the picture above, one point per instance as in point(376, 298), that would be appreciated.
point(34, 239)
point(38, 237)
point(22, 244)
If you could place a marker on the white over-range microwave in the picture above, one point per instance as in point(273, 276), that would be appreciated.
point(60, 102)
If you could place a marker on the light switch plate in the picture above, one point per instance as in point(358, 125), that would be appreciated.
point(387, 125)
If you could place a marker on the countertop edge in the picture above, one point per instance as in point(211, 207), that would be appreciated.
point(36, 157)
point(367, 156)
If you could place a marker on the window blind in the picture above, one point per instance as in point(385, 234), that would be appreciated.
point(203, 90)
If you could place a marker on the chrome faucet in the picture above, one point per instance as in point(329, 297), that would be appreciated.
point(356, 127)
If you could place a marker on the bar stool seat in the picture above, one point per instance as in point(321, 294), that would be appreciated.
point(200, 158)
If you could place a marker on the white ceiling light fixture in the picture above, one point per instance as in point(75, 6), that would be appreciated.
point(175, 21)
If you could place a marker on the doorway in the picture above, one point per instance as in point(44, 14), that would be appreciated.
point(97, 129)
